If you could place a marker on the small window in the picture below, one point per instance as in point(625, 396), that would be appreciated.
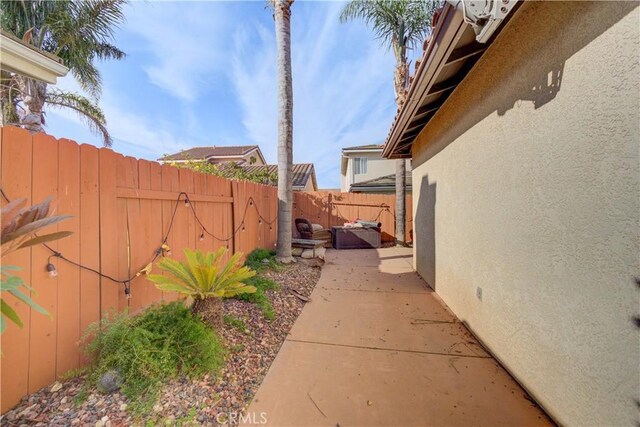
point(359, 165)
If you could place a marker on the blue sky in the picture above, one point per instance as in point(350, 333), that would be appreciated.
point(203, 73)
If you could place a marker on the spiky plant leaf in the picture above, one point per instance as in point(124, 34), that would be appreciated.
point(204, 275)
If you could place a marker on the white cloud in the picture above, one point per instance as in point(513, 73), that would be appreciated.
point(343, 93)
point(186, 41)
point(141, 136)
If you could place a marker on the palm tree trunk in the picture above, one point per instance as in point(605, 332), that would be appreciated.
point(209, 310)
point(400, 201)
point(400, 80)
point(282, 17)
point(33, 96)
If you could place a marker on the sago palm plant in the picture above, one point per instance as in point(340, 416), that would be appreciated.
point(205, 277)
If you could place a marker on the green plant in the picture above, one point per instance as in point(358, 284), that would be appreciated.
point(230, 170)
point(150, 348)
point(234, 322)
point(256, 260)
point(259, 297)
point(18, 228)
point(204, 276)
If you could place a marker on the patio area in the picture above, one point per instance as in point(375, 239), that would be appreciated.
point(375, 346)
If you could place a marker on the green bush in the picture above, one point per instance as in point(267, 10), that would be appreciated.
point(235, 322)
point(255, 260)
point(259, 297)
point(150, 348)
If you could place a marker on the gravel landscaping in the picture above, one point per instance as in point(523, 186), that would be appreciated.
point(252, 342)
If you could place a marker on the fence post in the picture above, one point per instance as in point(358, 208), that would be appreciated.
point(234, 212)
point(329, 209)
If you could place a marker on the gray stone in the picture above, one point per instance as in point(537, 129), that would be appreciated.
point(109, 382)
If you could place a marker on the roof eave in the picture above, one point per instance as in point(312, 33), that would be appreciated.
point(20, 58)
point(448, 26)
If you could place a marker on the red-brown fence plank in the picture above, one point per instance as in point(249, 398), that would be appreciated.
point(109, 227)
point(16, 183)
point(43, 336)
point(154, 221)
point(68, 318)
point(89, 238)
point(176, 242)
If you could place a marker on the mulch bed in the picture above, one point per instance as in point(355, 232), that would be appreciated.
point(206, 401)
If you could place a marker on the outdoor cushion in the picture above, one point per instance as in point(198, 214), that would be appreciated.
point(316, 227)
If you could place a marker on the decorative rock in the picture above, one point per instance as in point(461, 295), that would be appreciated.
point(296, 251)
point(109, 382)
point(320, 252)
point(57, 386)
point(265, 261)
point(123, 407)
point(308, 253)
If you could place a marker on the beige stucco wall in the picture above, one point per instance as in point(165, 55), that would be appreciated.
point(527, 185)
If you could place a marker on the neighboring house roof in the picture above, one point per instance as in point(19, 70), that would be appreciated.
point(19, 57)
point(369, 147)
point(450, 55)
point(301, 174)
point(381, 183)
point(204, 153)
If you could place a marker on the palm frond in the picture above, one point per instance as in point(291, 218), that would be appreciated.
point(86, 110)
point(204, 275)
point(398, 24)
point(78, 31)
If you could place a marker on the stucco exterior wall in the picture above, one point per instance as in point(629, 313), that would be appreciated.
point(527, 186)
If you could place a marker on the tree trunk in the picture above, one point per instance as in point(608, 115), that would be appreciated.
point(209, 310)
point(33, 96)
point(400, 201)
point(282, 17)
point(400, 79)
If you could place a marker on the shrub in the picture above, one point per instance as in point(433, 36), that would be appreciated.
point(235, 322)
point(205, 275)
point(255, 260)
point(259, 297)
point(150, 348)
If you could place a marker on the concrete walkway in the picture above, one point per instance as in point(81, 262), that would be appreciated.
point(375, 346)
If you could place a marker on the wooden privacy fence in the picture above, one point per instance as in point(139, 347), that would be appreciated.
point(122, 210)
point(330, 208)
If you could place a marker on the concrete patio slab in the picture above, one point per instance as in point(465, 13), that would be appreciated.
point(399, 321)
point(385, 278)
point(383, 257)
point(325, 385)
point(376, 347)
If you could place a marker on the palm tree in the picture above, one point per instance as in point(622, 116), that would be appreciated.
point(401, 25)
point(282, 18)
point(77, 31)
